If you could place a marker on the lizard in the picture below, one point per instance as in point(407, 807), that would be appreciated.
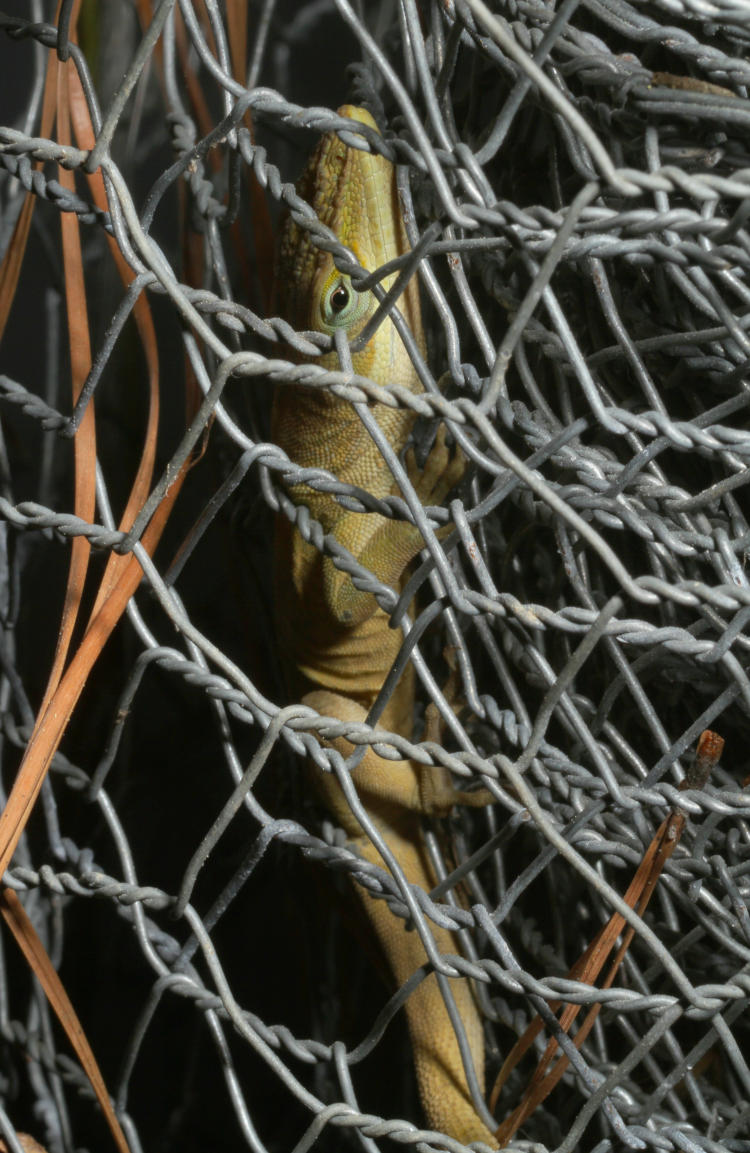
point(336, 642)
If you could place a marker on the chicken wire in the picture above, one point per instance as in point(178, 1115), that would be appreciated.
point(575, 182)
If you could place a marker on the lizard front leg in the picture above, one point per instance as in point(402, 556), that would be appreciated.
point(387, 547)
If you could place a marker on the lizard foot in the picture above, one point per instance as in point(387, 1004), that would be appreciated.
point(438, 797)
point(443, 469)
point(439, 791)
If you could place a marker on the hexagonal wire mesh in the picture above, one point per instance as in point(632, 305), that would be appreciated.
point(576, 182)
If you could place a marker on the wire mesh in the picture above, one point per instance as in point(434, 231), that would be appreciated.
point(575, 180)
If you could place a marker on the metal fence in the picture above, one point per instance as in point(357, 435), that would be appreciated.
point(579, 176)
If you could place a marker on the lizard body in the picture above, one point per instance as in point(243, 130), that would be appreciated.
point(337, 644)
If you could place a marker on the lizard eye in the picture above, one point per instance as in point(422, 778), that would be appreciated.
point(340, 305)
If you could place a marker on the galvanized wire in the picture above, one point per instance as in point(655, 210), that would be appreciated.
point(575, 182)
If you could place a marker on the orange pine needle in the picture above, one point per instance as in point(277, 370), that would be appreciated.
point(589, 965)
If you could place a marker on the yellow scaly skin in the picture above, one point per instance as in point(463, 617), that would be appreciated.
point(336, 641)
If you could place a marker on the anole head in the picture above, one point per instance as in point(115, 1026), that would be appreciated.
point(354, 194)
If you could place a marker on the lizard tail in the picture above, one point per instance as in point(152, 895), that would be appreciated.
point(391, 792)
point(443, 1087)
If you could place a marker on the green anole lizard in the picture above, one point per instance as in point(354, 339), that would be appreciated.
point(336, 640)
